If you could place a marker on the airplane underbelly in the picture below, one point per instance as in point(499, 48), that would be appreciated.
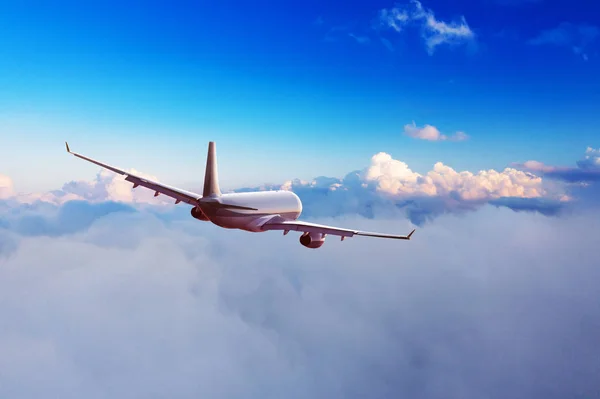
point(233, 222)
point(267, 204)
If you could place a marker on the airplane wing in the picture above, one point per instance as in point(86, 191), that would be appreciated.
point(158, 188)
point(287, 225)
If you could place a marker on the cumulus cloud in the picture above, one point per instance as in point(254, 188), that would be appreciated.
point(431, 133)
point(578, 38)
point(133, 306)
point(388, 188)
point(433, 31)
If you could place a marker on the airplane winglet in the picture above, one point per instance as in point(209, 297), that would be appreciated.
point(68, 149)
point(410, 234)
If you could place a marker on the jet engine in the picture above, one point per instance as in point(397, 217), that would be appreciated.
point(312, 240)
point(198, 214)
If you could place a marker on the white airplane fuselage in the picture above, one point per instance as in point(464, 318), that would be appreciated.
point(267, 203)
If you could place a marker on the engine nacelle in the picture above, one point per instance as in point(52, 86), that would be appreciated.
point(312, 240)
point(198, 214)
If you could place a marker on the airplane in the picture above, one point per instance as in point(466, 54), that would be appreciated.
point(258, 211)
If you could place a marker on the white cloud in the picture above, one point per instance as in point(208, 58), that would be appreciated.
point(591, 159)
point(431, 133)
point(395, 178)
point(107, 186)
point(394, 18)
point(433, 31)
point(388, 188)
point(136, 307)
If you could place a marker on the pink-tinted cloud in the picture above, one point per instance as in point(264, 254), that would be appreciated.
point(587, 170)
point(431, 133)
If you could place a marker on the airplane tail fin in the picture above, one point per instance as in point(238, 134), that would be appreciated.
point(211, 177)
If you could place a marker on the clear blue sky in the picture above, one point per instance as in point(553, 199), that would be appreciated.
point(290, 89)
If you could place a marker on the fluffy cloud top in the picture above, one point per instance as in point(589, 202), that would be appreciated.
point(431, 133)
point(433, 31)
point(389, 188)
point(130, 305)
point(395, 178)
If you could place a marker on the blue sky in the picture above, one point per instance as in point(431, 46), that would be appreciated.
point(291, 90)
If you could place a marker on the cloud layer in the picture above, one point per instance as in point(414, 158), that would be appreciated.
point(431, 133)
point(433, 31)
point(587, 170)
point(492, 305)
point(387, 187)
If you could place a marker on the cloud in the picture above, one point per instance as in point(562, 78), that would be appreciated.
point(431, 133)
point(544, 206)
point(387, 188)
point(136, 307)
point(44, 219)
point(107, 186)
point(591, 160)
point(587, 170)
point(6, 187)
point(360, 39)
point(577, 37)
point(433, 31)
point(387, 44)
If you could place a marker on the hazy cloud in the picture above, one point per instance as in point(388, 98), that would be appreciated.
point(359, 39)
point(387, 44)
point(577, 37)
point(6, 187)
point(433, 31)
point(587, 170)
point(132, 306)
point(431, 133)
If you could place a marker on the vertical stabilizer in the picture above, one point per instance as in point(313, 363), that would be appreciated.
point(211, 177)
